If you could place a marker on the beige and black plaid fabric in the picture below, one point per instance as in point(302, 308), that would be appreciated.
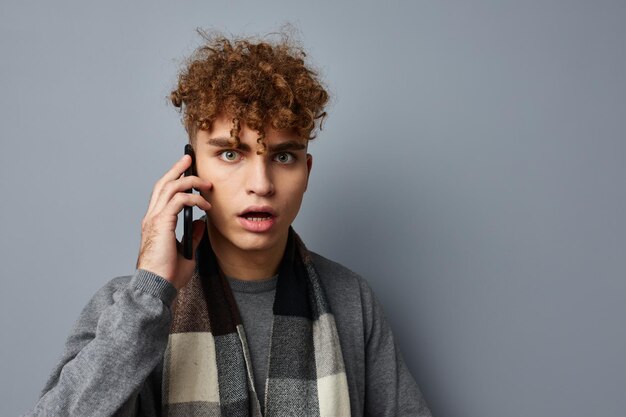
point(207, 369)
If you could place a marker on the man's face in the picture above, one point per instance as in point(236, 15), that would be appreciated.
point(241, 179)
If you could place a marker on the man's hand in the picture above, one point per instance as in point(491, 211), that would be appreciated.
point(160, 252)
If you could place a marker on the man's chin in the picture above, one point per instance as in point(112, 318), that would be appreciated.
point(253, 241)
point(246, 240)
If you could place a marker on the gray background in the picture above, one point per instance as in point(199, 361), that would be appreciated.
point(471, 169)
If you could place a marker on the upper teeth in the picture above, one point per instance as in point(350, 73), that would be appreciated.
point(256, 219)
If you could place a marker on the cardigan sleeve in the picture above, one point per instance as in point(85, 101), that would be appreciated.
point(390, 389)
point(118, 339)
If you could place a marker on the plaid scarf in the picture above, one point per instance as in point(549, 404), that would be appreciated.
point(207, 369)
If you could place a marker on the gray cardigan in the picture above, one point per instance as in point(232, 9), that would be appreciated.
point(112, 364)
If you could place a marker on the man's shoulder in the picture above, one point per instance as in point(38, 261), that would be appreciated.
point(336, 275)
point(328, 265)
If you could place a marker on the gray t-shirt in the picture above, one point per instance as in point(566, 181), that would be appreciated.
point(255, 300)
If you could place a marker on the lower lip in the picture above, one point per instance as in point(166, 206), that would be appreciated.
point(257, 226)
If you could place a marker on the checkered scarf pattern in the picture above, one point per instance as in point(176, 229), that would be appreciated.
point(207, 370)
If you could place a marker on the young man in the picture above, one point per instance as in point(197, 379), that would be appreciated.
point(254, 324)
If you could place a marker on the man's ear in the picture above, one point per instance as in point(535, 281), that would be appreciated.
point(309, 164)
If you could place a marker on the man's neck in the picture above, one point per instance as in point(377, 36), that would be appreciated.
point(246, 265)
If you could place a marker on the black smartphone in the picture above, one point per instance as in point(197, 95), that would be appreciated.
point(188, 210)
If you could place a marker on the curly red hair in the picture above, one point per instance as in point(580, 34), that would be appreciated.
point(254, 82)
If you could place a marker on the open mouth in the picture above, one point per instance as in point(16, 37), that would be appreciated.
point(258, 219)
point(257, 216)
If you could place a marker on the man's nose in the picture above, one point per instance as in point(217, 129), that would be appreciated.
point(259, 178)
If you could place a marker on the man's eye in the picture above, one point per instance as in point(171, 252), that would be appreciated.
point(229, 155)
point(285, 158)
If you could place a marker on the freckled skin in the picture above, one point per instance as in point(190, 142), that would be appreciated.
point(244, 180)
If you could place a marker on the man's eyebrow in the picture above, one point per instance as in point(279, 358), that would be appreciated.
point(225, 143)
point(290, 145)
